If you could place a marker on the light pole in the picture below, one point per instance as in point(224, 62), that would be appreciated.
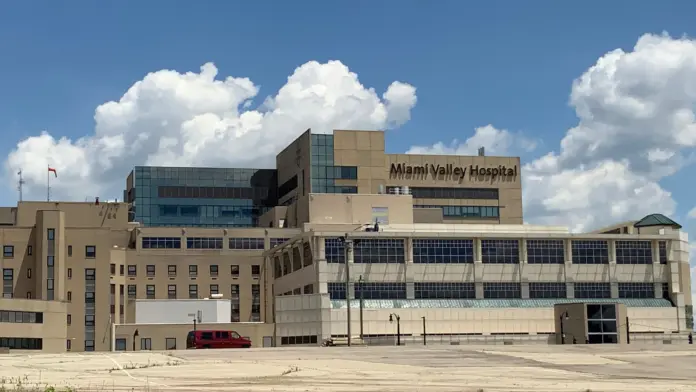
point(347, 251)
point(393, 316)
point(362, 306)
point(424, 335)
point(564, 316)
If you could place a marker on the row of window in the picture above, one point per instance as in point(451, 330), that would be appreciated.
point(493, 251)
point(213, 192)
point(492, 290)
point(449, 193)
point(290, 340)
point(11, 316)
point(458, 212)
point(208, 243)
point(22, 343)
point(334, 172)
point(213, 270)
point(193, 291)
point(8, 251)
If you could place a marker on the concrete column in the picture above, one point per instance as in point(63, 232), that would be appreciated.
point(570, 290)
point(614, 289)
point(568, 248)
point(409, 250)
point(410, 290)
point(524, 288)
point(658, 290)
point(612, 251)
point(655, 248)
point(320, 251)
point(477, 251)
point(479, 290)
point(523, 251)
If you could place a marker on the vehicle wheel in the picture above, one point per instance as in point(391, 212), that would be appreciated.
point(246, 346)
point(206, 346)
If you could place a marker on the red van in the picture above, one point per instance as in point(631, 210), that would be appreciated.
point(216, 339)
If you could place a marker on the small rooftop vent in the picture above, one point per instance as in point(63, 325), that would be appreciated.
point(482, 151)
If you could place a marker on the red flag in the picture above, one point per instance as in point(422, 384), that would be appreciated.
point(50, 169)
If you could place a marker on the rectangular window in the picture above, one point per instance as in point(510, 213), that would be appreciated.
point(500, 251)
point(28, 273)
point(450, 193)
point(89, 297)
point(7, 282)
point(662, 247)
point(193, 291)
point(234, 270)
point(636, 290)
point(90, 252)
point(204, 243)
point(234, 291)
point(550, 290)
point(308, 289)
point(69, 273)
point(214, 289)
point(277, 241)
point(171, 291)
point(170, 343)
point(145, 344)
point(150, 270)
point(90, 274)
point(8, 251)
point(68, 345)
point(171, 270)
point(30, 250)
point(69, 296)
point(193, 271)
point(150, 291)
point(89, 320)
point(255, 271)
point(132, 291)
point(246, 243)
point(213, 270)
point(443, 251)
point(337, 290)
point(592, 290)
point(50, 234)
point(464, 212)
point(545, 252)
point(89, 345)
point(444, 290)
point(112, 269)
point(502, 290)
point(334, 250)
point(380, 290)
point(69, 250)
point(161, 242)
point(132, 270)
point(8, 316)
point(633, 252)
point(69, 319)
point(121, 269)
point(379, 251)
point(590, 252)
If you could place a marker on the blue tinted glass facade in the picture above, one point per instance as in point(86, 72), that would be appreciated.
point(323, 172)
point(201, 197)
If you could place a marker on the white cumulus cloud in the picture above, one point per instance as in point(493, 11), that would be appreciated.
point(636, 125)
point(496, 142)
point(185, 119)
point(692, 213)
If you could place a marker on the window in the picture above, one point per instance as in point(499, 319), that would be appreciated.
point(334, 249)
point(204, 243)
point(89, 320)
point(308, 289)
point(380, 215)
point(69, 296)
point(463, 212)
point(379, 251)
point(590, 252)
point(500, 251)
point(380, 290)
point(246, 244)
point(171, 291)
point(443, 251)
point(214, 289)
point(633, 252)
point(50, 234)
point(234, 270)
point(121, 344)
point(161, 243)
point(28, 294)
point(8, 251)
point(22, 343)
point(89, 345)
point(170, 343)
point(277, 241)
point(145, 344)
point(662, 246)
point(255, 270)
point(636, 290)
point(545, 252)
point(601, 324)
point(552, 290)
point(444, 290)
point(450, 193)
point(193, 271)
point(132, 270)
point(150, 291)
point(30, 250)
point(69, 250)
point(256, 291)
point(112, 269)
point(121, 269)
point(89, 297)
point(69, 319)
point(501, 290)
point(9, 316)
point(7, 282)
point(171, 270)
point(132, 291)
point(28, 273)
point(234, 291)
point(213, 270)
point(193, 291)
point(69, 273)
point(90, 252)
point(150, 270)
point(591, 290)
point(68, 345)
point(294, 340)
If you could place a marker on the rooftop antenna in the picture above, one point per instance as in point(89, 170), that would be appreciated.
point(20, 184)
point(482, 151)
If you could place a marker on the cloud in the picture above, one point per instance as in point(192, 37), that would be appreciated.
point(496, 142)
point(636, 125)
point(186, 119)
point(692, 213)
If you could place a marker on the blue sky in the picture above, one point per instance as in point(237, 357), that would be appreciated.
point(510, 64)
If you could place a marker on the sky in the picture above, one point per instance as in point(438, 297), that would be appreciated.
point(597, 98)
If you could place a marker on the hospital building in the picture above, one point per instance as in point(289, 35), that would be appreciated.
point(340, 240)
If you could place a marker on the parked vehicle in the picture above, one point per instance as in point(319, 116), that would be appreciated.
point(216, 339)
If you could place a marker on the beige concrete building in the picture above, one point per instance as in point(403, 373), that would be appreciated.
point(434, 243)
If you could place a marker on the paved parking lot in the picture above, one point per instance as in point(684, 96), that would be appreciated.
point(433, 368)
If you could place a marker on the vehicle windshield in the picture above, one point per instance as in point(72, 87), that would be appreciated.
point(234, 335)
